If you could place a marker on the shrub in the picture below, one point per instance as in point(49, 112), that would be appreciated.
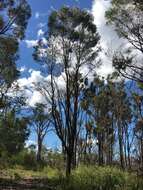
point(26, 159)
point(101, 178)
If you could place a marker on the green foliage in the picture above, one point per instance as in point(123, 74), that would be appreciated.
point(122, 15)
point(25, 158)
point(18, 14)
point(13, 133)
point(76, 26)
point(84, 178)
point(52, 173)
point(55, 160)
point(39, 117)
point(12, 28)
point(8, 56)
point(101, 178)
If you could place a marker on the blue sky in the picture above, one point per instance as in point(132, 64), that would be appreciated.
point(38, 22)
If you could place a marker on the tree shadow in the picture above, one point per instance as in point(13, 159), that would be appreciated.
point(28, 184)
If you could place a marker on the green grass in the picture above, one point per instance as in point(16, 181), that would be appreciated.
point(83, 178)
point(23, 173)
point(101, 178)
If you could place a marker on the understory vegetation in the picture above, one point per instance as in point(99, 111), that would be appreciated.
point(84, 177)
point(23, 171)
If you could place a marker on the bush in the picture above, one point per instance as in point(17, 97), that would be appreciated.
point(101, 178)
point(98, 178)
point(26, 159)
point(55, 160)
point(4, 159)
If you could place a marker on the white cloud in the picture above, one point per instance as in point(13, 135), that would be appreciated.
point(23, 69)
point(53, 8)
point(109, 38)
point(30, 70)
point(28, 86)
point(41, 25)
point(30, 142)
point(37, 15)
point(36, 98)
point(31, 43)
point(44, 41)
point(40, 33)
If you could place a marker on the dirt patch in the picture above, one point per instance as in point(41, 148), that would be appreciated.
point(25, 184)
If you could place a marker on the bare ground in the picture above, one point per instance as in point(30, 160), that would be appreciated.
point(26, 184)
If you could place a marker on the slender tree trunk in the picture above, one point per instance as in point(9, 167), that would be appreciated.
point(100, 149)
point(129, 157)
point(74, 156)
point(125, 155)
point(142, 155)
point(75, 117)
point(142, 150)
point(120, 138)
point(85, 148)
point(39, 149)
point(125, 148)
point(109, 146)
point(111, 153)
point(69, 159)
point(112, 141)
point(64, 152)
point(128, 152)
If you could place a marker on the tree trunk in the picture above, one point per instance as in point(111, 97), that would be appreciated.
point(68, 164)
point(141, 155)
point(74, 160)
point(120, 138)
point(129, 157)
point(100, 149)
point(85, 148)
point(109, 142)
point(125, 152)
point(39, 149)
point(112, 141)
point(128, 152)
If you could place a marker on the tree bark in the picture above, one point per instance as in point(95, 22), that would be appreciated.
point(120, 138)
point(39, 149)
point(68, 164)
point(100, 149)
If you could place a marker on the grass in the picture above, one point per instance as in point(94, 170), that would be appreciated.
point(23, 173)
point(101, 178)
point(83, 178)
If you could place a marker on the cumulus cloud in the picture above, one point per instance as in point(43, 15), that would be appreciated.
point(31, 43)
point(109, 38)
point(40, 33)
point(36, 98)
point(34, 78)
point(30, 86)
